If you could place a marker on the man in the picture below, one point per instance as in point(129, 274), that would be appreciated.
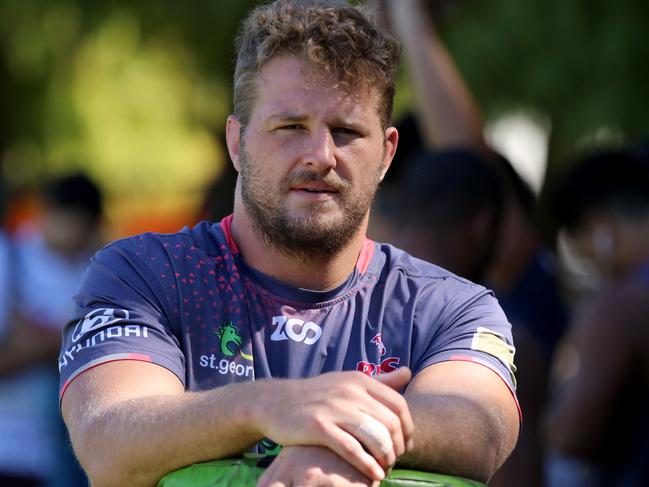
point(199, 345)
point(603, 205)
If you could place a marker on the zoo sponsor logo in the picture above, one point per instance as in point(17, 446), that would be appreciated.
point(296, 330)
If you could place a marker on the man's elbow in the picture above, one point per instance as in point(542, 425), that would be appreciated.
point(490, 452)
point(105, 462)
point(470, 439)
point(497, 431)
point(495, 435)
point(93, 460)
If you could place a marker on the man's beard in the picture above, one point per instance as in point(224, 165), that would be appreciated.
point(315, 235)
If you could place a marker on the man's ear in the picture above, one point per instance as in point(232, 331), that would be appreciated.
point(233, 139)
point(391, 140)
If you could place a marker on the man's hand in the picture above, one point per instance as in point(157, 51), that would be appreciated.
point(364, 420)
point(312, 466)
point(141, 414)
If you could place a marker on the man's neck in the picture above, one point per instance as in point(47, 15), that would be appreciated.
point(299, 271)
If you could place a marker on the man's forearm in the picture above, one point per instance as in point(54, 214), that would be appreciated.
point(124, 436)
point(456, 436)
point(466, 420)
point(137, 441)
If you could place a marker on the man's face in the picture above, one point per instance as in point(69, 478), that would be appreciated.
point(310, 159)
point(594, 243)
point(68, 231)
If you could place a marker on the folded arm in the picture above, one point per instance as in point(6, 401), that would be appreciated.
point(132, 422)
point(466, 420)
point(466, 424)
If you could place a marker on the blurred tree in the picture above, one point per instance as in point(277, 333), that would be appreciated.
point(134, 91)
point(583, 63)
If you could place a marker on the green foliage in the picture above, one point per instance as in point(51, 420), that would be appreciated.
point(582, 62)
point(136, 91)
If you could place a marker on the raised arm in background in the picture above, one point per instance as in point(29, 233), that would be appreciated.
point(448, 115)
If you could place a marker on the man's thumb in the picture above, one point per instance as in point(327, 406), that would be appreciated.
point(397, 379)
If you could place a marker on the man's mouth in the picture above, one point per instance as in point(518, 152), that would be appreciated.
point(313, 188)
point(317, 187)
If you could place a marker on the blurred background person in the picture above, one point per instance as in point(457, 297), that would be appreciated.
point(5, 256)
point(467, 209)
point(524, 272)
point(46, 262)
point(600, 411)
point(524, 275)
point(449, 211)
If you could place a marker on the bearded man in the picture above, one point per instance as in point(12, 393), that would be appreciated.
point(283, 324)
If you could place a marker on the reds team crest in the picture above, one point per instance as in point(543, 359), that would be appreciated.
point(387, 365)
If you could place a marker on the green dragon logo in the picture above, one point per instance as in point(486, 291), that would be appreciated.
point(228, 335)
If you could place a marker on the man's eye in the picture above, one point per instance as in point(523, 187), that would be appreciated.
point(347, 131)
point(291, 127)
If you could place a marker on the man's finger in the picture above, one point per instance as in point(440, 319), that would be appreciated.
point(269, 474)
point(377, 440)
point(347, 447)
point(391, 421)
point(397, 379)
point(395, 401)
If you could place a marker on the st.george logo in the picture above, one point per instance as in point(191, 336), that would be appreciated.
point(229, 339)
point(98, 318)
point(230, 344)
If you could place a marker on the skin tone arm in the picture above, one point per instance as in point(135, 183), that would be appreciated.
point(132, 422)
point(608, 342)
point(466, 424)
point(312, 465)
point(447, 113)
point(475, 422)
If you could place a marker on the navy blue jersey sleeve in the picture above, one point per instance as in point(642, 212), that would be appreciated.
point(121, 312)
point(472, 327)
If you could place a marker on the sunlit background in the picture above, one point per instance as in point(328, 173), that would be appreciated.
point(136, 92)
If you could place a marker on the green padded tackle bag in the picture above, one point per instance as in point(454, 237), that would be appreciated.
point(244, 472)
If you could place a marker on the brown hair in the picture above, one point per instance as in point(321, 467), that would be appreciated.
point(339, 40)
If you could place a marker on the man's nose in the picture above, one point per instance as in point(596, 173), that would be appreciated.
point(320, 151)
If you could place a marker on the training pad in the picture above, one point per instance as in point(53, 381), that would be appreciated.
point(244, 472)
